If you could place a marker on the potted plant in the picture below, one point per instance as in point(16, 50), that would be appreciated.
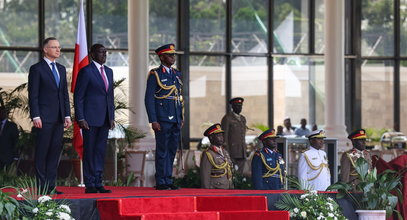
point(376, 195)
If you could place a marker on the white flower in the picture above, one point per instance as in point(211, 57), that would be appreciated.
point(303, 214)
point(43, 199)
point(63, 216)
point(313, 192)
point(244, 179)
point(296, 210)
point(49, 213)
point(19, 196)
point(330, 199)
point(67, 209)
point(330, 215)
point(303, 196)
point(35, 210)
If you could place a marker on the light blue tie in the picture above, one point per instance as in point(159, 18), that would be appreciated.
point(54, 71)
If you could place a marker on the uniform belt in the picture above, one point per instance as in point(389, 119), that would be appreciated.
point(172, 98)
point(274, 176)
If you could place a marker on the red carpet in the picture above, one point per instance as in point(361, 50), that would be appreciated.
point(146, 203)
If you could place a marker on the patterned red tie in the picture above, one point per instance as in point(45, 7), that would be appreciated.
point(103, 77)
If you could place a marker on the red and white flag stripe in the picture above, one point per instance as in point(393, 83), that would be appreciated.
point(80, 61)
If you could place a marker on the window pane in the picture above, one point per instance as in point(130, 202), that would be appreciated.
point(162, 22)
point(290, 27)
point(319, 26)
point(403, 28)
point(377, 28)
point(299, 90)
point(206, 92)
point(110, 23)
point(249, 80)
point(403, 96)
point(249, 29)
point(12, 62)
point(19, 23)
point(377, 94)
point(207, 25)
point(61, 21)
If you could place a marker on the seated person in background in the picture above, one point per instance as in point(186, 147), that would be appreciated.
point(313, 169)
point(8, 139)
point(314, 127)
point(288, 129)
point(348, 159)
point(216, 165)
point(268, 164)
point(303, 130)
point(279, 130)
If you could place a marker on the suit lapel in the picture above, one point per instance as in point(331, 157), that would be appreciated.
point(97, 76)
point(48, 72)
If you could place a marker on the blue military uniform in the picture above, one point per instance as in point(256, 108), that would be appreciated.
point(267, 166)
point(164, 105)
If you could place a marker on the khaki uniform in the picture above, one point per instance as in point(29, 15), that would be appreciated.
point(216, 169)
point(348, 160)
point(234, 126)
point(313, 170)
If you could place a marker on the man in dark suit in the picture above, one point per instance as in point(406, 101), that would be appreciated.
point(94, 111)
point(49, 110)
point(8, 139)
point(164, 109)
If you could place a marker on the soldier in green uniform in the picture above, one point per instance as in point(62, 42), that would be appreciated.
point(216, 165)
point(348, 160)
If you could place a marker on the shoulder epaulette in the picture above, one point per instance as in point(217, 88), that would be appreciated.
point(152, 71)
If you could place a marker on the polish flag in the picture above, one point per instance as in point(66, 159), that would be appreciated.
point(80, 61)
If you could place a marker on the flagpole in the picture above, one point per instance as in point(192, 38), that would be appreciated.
point(81, 184)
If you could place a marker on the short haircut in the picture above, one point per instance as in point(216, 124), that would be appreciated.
point(94, 47)
point(45, 42)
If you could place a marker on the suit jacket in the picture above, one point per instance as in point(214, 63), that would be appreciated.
point(46, 100)
point(92, 102)
point(318, 179)
point(8, 142)
point(166, 109)
point(235, 134)
point(207, 170)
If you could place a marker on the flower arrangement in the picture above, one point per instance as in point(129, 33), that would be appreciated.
point(47, 208)
point(310, 205)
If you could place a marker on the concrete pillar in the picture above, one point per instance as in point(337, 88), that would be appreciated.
point(334, 72)
point(138, 36)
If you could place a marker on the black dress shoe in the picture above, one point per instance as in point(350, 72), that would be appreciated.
point(162, 187)
point(103, 190)
point(91, 190)
point(172, 186)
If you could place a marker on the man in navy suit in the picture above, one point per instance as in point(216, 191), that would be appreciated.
point(94, 111)
point(49, 111)
point(164, 109)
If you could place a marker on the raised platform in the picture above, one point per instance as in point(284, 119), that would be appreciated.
point(150, 204)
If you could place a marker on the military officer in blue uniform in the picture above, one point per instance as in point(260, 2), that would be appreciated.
point(268, 164)
point(164, 109)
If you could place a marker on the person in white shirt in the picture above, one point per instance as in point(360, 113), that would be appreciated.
point(288, 129)
point(313, 170)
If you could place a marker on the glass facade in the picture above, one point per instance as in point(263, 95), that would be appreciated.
point(268, 51)
point(377, 94)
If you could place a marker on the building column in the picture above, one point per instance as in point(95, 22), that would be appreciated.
point(334, 72)
point(138, 36)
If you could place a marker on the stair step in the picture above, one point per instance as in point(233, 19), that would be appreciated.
point(231, 203)
point(257, 215)
point(173, 216)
